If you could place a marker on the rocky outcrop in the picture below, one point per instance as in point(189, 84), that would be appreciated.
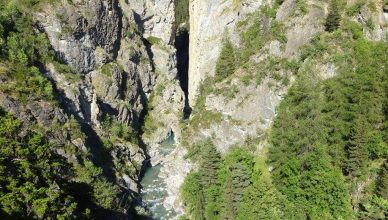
point(40, 111)
point(375, 20)
point(115, 72)
point(153, 18)
point(75, 30)
point(210, 23)
point(245, 109)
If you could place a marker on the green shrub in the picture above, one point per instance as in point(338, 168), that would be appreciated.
point(302, 6)
point(278, 32)
point(252, 40)
point(154, 40)
point(355, 8)
point(354, 29)
point(370, 24)
point(316, 48)
point(107, 70)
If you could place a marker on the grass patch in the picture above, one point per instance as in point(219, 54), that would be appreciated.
point(154, 40)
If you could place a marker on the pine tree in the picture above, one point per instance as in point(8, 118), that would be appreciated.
point(263, 201)
point(241, 180)
point(236, 184)
point(333, 18)
point(227, 205)
point(356, 148)
point(226, 62)
point(193, 195)
point(209, 164)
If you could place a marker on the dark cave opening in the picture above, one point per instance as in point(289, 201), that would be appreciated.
point(182, 47)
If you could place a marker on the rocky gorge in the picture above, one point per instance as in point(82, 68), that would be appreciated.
point(125, 55)
point(136, 90)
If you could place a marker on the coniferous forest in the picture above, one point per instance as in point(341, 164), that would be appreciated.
point(327, 145)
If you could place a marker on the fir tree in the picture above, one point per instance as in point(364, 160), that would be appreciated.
point(235, 187)
point(357, 149)
point(209, 164)
point(226, 62)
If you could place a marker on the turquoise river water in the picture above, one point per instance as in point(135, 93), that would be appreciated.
point(154, 188)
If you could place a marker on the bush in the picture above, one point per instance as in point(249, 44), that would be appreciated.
point(154, 40)
point(355, 8)
point(106, 70)
point(252, 40)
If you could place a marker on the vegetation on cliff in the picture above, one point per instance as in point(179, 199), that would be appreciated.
point(327, 147)
point(42, 177)
point(38, 182)
point(182, 14)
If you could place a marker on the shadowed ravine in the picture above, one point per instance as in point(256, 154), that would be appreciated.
point(182, 47)
point(153, 191)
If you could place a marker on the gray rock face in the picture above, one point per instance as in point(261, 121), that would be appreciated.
point(379, 17)
point(115, 70)
point(249, 113)
point(118, 72)
point(211, 22)
point(251, 109)
point(34, 111)
point(76, 30)
point(154, 18)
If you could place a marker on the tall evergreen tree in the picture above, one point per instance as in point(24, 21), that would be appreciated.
point(357, 148)
point(228, 210)
point(236, 184)
point(209, 164)
point(226, 63)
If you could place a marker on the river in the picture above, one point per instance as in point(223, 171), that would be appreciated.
point(154, 188)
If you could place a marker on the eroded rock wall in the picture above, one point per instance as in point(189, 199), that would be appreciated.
point(118, 52)
point(210, 23)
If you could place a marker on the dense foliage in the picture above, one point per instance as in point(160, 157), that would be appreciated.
point(328, 145)
point(38, 182)
point(37, 178)
point(341, 124)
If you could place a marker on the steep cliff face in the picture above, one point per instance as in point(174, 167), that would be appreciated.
point(115, 64)
point(239, 105)
point(154, 18)
point(210, 23)
point(123, 67)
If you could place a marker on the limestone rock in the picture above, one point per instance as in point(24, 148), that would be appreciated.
point(154, 18)
point(76, 30)
point(210, 22)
